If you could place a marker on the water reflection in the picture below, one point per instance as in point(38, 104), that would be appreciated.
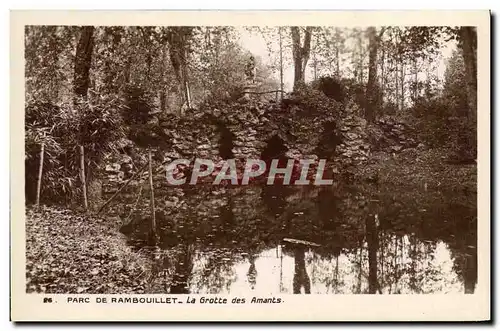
point(370, 240)
point(300, 276)
point(252, 273)
point(183, 270)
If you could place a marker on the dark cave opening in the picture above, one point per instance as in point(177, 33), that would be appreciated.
point(226, 141)
point(328, 142)
point(275, 149)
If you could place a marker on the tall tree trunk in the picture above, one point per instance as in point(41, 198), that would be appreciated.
point(281, 63)
point(468, 44)
point(467, 137)
point(163, 94)
point(110, 70)
point(415, 78)
point(315, 66)
point(360, 69)
point(297, 78)
point(402, 86)
point(371, 88)
point(83, 60)
point(300, 54)
point(177, 38)
point(382, 77)
point(53, 84)
point(396, 89)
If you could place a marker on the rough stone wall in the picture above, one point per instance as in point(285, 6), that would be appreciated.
point(392, 135)
point(251, 126)
point(354, 150)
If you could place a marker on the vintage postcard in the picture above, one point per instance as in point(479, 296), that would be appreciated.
point(250, 166)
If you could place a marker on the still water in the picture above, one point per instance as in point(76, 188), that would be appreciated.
point(269, 240)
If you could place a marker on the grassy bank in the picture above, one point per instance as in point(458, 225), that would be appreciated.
point(68, 252)
point(422, 168)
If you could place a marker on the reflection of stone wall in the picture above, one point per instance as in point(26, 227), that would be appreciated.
point(249, 217)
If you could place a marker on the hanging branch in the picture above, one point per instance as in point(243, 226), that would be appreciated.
point(281, 64)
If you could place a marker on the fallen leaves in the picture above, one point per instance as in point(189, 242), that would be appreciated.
point(75, 253)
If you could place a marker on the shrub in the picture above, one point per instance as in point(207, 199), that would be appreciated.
point(445, 124)
point(331, 87)
point(345, 90)
point(314, 102)
point(95, 124)
point(138, 105)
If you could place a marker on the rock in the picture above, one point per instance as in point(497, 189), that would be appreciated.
point(203, 147)
point(114, 167)
point(352, 135)
point(153, 121)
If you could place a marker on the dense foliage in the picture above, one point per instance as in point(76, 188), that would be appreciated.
point(139, 74)
point(374, 102)
point(95, 124)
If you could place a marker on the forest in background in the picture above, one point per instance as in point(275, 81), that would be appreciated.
point(91, 86)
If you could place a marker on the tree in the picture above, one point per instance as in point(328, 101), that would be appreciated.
point(83, 60)
point(468, 45)
point(109, 50)
point(371, 87)
point(178, 38)
point(358, 55)
point(338, 47)
point(300, 54)
point(42, 72)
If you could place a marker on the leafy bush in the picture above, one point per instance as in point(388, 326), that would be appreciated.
point(433, 121)
point(346, 90)
point(314, 101)
point(138, 105)
point(442, 123)
point(331, 87)
point(95, 124)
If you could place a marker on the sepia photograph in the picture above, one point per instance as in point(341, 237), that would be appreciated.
point(250, 161)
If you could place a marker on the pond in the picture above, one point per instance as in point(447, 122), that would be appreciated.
point(271, 240)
